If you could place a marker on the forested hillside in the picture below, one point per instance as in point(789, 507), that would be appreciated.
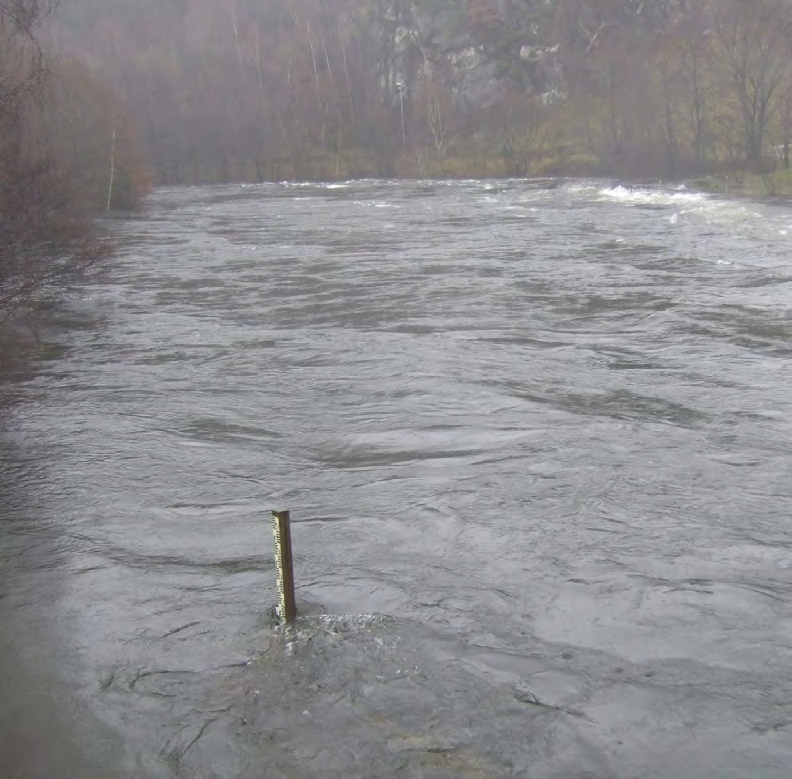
point(272, 89)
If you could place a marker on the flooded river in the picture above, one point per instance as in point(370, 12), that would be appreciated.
point(535, 437)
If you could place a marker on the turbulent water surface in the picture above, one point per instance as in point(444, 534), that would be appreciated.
point(535, 437)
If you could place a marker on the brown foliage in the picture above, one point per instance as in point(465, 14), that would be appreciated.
point(47, 243)
point(89, 130)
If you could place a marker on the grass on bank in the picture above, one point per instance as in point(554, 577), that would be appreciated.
point(773, 182)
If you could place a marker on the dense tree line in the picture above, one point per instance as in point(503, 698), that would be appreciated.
point(55, 134)
point(257, 89)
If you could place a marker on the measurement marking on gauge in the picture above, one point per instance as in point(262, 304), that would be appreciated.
point(281, 529)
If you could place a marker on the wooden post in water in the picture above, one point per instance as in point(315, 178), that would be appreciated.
point(281, 529)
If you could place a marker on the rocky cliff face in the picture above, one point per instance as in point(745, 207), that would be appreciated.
point(478, 49)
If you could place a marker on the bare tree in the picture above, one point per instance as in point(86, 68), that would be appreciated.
point(22, 65)
point(756, 42)
point(437, 118)
point(519, 129)
point(23, 16)
point(45, 247)
point(46, 244)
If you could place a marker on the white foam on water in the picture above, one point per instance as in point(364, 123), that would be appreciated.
point(722, 213)
point(650, 196)
point(730, 215)
point(375, 204)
